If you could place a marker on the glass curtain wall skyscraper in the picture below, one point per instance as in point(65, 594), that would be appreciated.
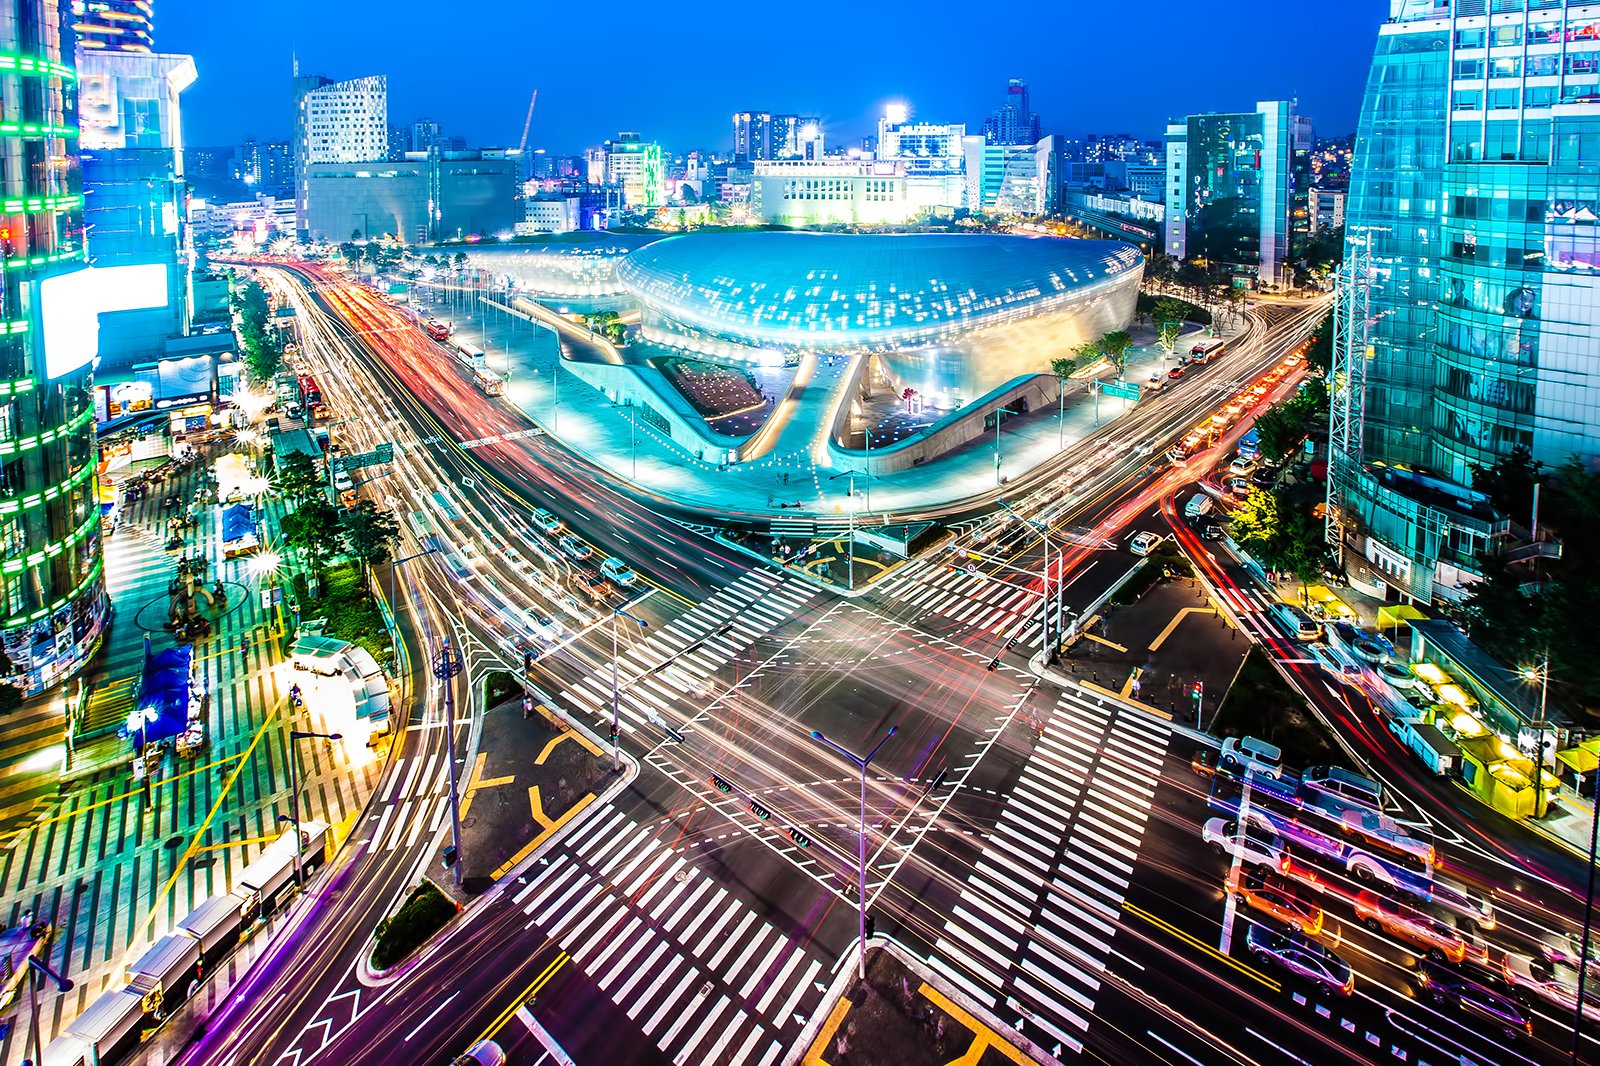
point(1473, 208)
point(113, 25)
point(52, 589)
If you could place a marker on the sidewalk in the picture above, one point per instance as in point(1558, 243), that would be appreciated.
point(585, 421)
point(98, 863)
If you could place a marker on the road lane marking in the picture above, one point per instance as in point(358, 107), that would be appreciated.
point(433, 1014)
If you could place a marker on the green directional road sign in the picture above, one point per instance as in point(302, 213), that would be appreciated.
point(383, 453)
point(1124, 390)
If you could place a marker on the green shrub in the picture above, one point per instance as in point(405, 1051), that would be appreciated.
point(423, 914)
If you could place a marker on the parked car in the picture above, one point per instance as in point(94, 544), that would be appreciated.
point(1434, 937)
point(1272, 895)
point(1301, 957)
point(1241, 467)
point(1264, 477)
point(1446, 986)
point(547, 522)
point(619, 573)
point(1239, 486)
point(575, 548)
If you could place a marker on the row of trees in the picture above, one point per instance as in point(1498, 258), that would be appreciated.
point(318, 530)
point(386, 257)
point(1283, 528)
point(1284, 425)
point(1522, 612)
point(1113, 347)
point(262, 343)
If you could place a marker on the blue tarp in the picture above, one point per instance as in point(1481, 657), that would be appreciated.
point(238, 522)
point(163, 705)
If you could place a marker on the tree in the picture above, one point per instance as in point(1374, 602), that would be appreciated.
point(1169, 316)
point(1319, 354)
point(1509, 482)
point(313, 530)
point(1063, 367)
point(1255, 523)
point(459, 260)
point(297, 478)
point(355, 234)
point(370, 534)
point(1279, 535)
point(1115, 345)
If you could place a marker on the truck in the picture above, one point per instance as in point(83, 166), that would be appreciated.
point(1437, 751)
point(1250, 445)
point(1199, 506)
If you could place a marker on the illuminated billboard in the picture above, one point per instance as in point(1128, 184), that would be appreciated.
point(70, 306)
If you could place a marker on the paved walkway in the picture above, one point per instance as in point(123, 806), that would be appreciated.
point(92, 858)
point(789, 472)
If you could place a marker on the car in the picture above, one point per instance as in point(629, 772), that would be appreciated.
point(1272, 895)
point(342, 480)
point(1240, 754)
point(542, 626)
point(1435, 938)
point(1555, 984)
point(1258, 848)
point(1144, 543)
point(1156, 381)
point(1292, 362)
point(349, 499)
point(1264, 478)
point(1343, 784)
point(483, 1053)
point(591, 584)
point(1446, 986)
point(1241, 467)
point(1175, 372)
point(619, 573)
point(1301, 957)
point(1210, 530)
point(546, 522)
point(575, 548)
point(1239, 486)
point(1564, 947)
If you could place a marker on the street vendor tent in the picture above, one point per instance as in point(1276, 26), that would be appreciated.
point(239, 530)
point(162, 710)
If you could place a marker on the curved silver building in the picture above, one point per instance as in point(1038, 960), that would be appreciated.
point(583, 266)
point(950, 315)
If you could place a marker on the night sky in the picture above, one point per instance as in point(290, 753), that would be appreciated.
point(677, 72)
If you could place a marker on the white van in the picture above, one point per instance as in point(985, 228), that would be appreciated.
point(1343, 784)
point(1239, 753)
point(1299, 625)
point(618, 572)
point(1145, 543)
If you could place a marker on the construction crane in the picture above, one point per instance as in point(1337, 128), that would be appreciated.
point(527, 123)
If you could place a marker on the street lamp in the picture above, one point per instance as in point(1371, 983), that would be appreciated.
point(445, 667)
point(1541, 674)
point(861, 868)
point(39, 970)
point(296, 735)
point(851, 474)
point(616, 742)
point(1044, 537)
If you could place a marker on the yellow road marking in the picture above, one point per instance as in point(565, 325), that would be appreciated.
point(1103, 640)
point(1091, 686)
point(529, 848)
point(1172, 930)
point(825, 1034)
point(533, 988)
point(122, 796)
point(477, 781)
point(538, 806)
point(984, 1037)
point(1179, 617)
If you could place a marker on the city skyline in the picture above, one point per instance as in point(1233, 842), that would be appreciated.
point(1075, 89)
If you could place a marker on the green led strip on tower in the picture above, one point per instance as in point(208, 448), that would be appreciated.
point(36, 129)
point(46, 612)
point(50, 551)
point(36, 499)
point(47, 203)
point(43, 260)
point(12, 388)
point(28, 444)
point(28, 64)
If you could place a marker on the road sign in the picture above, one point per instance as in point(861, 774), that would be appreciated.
point(383, 453)
point(1124, 390)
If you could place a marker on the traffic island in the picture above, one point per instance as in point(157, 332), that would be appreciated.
point(1262, 704)
point(904, 1014)
point(425, 911)
point(531, 775)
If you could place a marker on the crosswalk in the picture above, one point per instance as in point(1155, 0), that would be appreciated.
point(678, 660)
point(1032, 930)
point(702, 974)
point(1005, 606)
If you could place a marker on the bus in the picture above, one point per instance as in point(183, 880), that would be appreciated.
point(490, 383)
point(1250, 445)
point(439, 331)
point(310, 394)
point(1206, 351)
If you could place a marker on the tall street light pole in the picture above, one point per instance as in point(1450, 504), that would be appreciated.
point(394, 609)
point(38, 971)
point(851, 474)
point(861, 867)
point(295, 736)
point(1044, 576)
point(616, 735)
point(445, 667)
point(1541, 674)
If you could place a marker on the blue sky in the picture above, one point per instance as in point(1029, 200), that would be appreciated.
point(677, 72)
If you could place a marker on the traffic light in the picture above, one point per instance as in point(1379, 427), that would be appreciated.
point(615, 733)
point(1199, 691)
point(994, 664)
point(799, 838)
point(721, 784)
point(759, 811)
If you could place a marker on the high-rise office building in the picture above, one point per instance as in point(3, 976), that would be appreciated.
point(337, 122)
point(1475, 321)
point(52, 590)
point(265, 166)
point(1014, 122)
point(113, 25)
point(752, 136)
point(1230, 189)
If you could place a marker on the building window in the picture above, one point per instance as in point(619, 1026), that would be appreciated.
point(1470, 38)
point(1467, 100)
